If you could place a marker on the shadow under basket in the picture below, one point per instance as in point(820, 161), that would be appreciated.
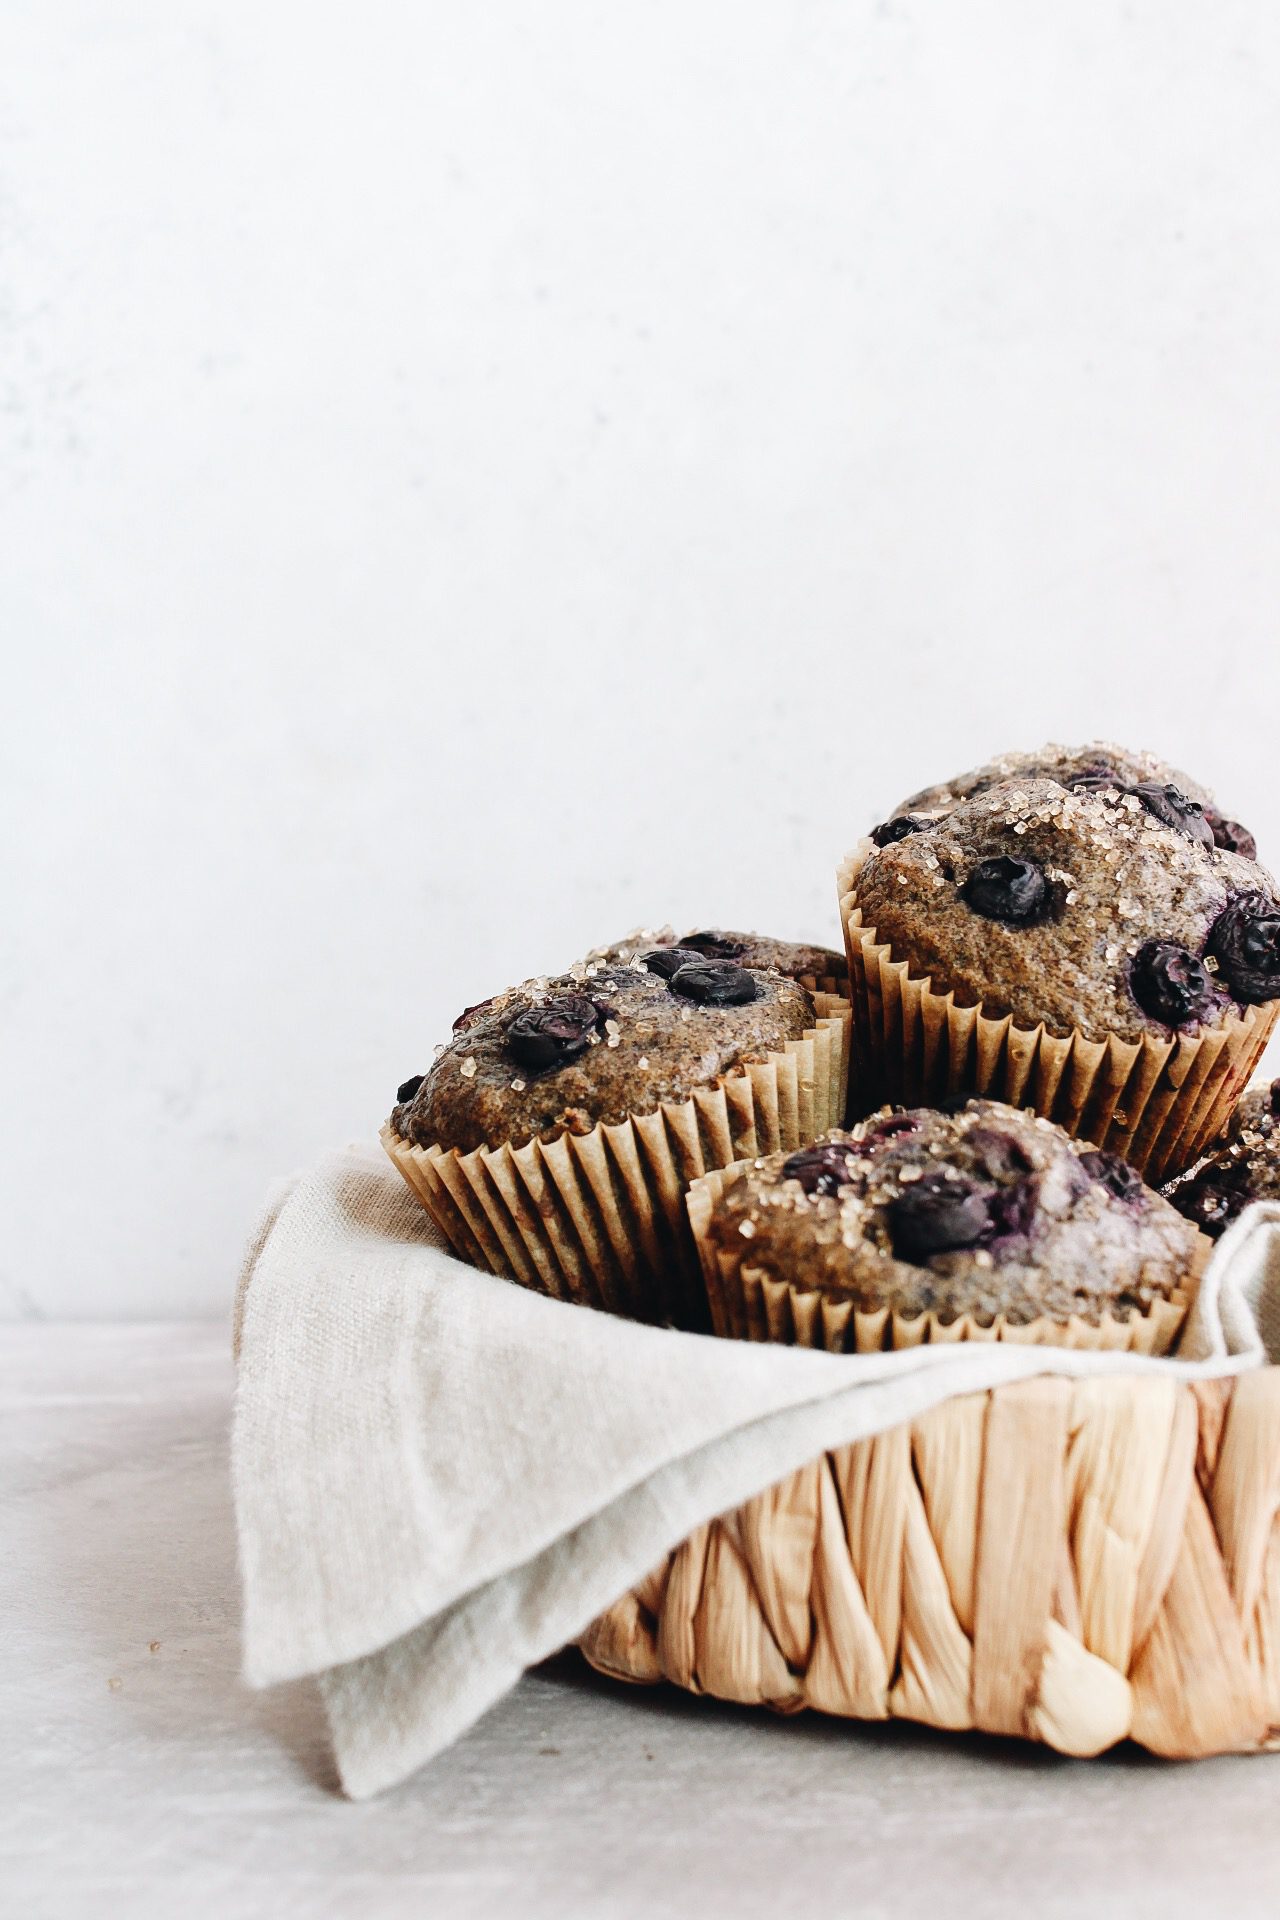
point(1157, 1101)
point(1074, 1562)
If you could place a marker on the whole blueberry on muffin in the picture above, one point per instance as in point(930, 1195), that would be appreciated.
point(819, 968)
point(1244, 1166)
point(916, 1220)
point(553, 1137)
point(1083, 769)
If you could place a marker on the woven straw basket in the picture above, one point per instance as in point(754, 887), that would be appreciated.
point(1075, 1562)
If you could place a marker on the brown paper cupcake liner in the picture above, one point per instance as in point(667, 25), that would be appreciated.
point(831, 986)
point(1155, 1102)
point(747, 1303)
point(599, 1217)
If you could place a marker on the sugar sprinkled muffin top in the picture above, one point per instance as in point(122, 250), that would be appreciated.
point(798, 959)
point(1098, 764)
point(1107, 911)
point(1244, 1166)
point(597, 1044)
point(983, 1211)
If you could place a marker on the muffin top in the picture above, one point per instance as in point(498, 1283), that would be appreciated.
point(1086, 768)
point(982, 1211)
point(1244, 1166)
point(795, 958)
point(1111, 912)
point(596, 1044)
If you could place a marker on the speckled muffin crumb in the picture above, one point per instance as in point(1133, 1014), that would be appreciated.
point(986, 1211)
point(1243, 1167)
point(1084, 769)
point(1107, 911)
point(798, 959)
point(598, 1044)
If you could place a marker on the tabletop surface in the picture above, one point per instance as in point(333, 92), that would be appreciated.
point(138, 1774)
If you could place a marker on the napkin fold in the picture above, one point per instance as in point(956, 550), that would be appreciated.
point(441, 1478)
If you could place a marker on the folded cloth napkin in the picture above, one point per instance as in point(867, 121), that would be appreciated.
point(441, 1478)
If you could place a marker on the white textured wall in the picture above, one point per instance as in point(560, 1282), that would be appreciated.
point(476, 477)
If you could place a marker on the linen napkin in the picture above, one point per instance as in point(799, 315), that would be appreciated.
point(441, 1478)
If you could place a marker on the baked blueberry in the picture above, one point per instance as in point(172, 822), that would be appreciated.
point(715, 946)
point(1170, 984)
point(407, 1088)
point(819, 1169)
point(937, 1213)
point(664, 961)
point(714, 983)
point(1000, 1153)
point(1013, 891)
point(1245, 942)
point(1242, 1167)
point(1215, 1195)
point(552, 1034)
point(1230, 835)
point(899, 827)
point(1172, 808)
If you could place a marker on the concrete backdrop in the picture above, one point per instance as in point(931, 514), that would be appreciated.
point(473, 479)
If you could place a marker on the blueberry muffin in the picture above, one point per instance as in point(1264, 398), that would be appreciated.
point(553, 1137)
point(982, 1222)
point(818, 968)
point(1083, 770)
point(1242, 1167)
point(1091, 952)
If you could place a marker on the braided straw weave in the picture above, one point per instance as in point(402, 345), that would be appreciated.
point(1075, 1562)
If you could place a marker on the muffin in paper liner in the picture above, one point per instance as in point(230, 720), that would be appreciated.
point(1156, 1102)
point(747, 1303)
point(599, 1217)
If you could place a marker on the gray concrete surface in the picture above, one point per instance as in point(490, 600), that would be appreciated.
point(139, 1778)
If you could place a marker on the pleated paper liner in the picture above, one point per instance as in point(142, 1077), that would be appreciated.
point(599, 1217)
point(1158, 1103)
point(834, 1007)
point(749, 1304)
point(830, 986)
